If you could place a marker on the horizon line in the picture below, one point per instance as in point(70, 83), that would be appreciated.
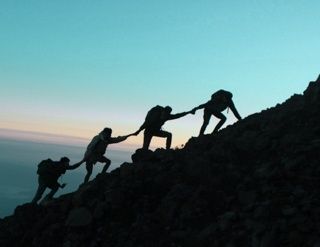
point(50, 138)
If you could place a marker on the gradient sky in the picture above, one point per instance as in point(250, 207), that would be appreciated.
point(72, 67)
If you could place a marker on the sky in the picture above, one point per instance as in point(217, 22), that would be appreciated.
point(72, 67)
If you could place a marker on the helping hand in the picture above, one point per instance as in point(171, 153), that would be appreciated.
point(193, 111)
point(136, 133)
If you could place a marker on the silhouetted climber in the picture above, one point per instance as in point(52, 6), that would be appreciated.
point(154, 120)
point(220, 101)
point(96, 150)
point(49, 172)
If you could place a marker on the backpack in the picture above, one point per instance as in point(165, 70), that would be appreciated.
point(44, 167)
point(94, 142)
point(221, 94)
point(153, 115)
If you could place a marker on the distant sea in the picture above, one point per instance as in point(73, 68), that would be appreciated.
point(18, 166)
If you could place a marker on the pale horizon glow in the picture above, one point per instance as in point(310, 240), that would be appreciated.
point(71, 68)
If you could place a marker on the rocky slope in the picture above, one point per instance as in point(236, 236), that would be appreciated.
point(255, 183)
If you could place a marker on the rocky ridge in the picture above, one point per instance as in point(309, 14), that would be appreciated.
point(255, 183)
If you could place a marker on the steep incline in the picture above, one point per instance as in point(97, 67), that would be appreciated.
point(255, 183)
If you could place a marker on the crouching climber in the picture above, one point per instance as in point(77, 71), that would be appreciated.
point(49, 172)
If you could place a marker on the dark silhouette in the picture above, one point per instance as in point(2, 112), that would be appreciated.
point(220, 101)
point(255, 183)
point(49, 172)
point(155, 119)
point(96, 150)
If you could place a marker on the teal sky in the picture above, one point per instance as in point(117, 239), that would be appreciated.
point(72, 67)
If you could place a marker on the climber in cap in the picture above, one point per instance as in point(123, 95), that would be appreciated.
point(96, 150)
